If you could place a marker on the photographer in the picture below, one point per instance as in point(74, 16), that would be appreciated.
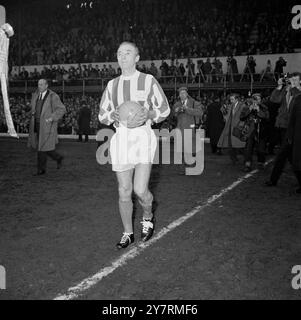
point(217, 70)
point(190, 70)
point(256, 115)
point(285, 93)
point(249, 68)
point(283, 96)
point(280, 64)
point(232, 69)
point(208, 71)
point(200, 69)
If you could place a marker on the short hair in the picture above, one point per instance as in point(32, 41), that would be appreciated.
point(295, 74)
point(133, 44)
point(255, 95)
point(235, 95)
point(46, 81)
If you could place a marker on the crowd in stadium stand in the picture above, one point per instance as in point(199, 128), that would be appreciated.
point(169, 29)
point(21, 111)
point(205, 70)
point(163, 30)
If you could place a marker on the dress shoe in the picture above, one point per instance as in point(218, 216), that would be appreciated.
point(269, 183)
point(40, 172)
point(59, 163)
point(247, 169)
point(125, 241)
point(148, 227)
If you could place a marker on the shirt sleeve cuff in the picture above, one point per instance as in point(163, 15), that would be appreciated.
point(157, 115)
point(109, 117)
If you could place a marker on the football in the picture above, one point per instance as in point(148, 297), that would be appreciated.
point(128, 111)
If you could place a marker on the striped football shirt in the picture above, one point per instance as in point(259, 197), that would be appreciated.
point(139, 87)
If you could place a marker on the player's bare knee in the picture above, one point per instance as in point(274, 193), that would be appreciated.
point(142, 194)
point(125, 193)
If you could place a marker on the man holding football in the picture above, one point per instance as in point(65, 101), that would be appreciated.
point(133, 146)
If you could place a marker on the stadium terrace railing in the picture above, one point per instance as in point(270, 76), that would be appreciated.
point(194, 82)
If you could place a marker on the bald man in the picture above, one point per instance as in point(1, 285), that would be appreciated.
point(46, 110)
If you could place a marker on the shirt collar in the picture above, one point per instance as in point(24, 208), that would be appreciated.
point(43, 94)
point(135, 74)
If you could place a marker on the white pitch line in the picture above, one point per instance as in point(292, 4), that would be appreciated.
point(78, 290)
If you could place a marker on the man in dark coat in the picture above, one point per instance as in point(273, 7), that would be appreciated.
point(46, 110)
point(280, 64)
point(285, 151)
point(227, 139)
point(294, 138)
point(215, 124)
point(84, 119)
point(256, 115)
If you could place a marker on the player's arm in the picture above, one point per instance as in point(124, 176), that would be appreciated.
point(161, 109)
point(107, 113)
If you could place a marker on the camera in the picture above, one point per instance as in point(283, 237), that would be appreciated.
point(229, 59)
point(285, 80)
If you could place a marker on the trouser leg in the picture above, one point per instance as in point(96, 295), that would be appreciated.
point(233, 154)
point(280, 161)
point(298, 176)
point(261, 151)
point(213, 147)
point(42, 161)
point(248, 152)
point(54, 155)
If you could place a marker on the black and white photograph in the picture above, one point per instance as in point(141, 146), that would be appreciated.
point(150, 153)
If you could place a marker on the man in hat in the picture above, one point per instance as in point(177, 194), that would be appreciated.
point(84, 118)
point(187, 111)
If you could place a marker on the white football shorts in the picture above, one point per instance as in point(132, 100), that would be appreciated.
point(129, 147)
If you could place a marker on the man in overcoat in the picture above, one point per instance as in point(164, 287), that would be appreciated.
point(84, 118)
point(294, 138)
point(227, 139)
point(215, 124)
point(46, 110)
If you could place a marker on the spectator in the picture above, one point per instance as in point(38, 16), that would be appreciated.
point(249, 69)
point(208, 70)
point(214, 124)
point(227, 139)
point(280, 64)
point(84, 118)
point(268, 72)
